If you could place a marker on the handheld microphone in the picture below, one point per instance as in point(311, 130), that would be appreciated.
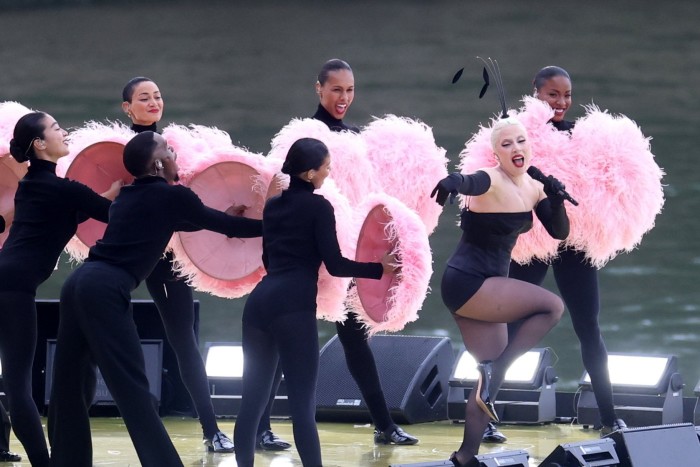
point(537, 174)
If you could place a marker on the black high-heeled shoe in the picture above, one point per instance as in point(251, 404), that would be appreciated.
point(483, 398)
point(470, 462)
point(453, 459)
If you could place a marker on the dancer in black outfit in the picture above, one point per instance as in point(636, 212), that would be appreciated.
point(143, 104)
point(47, 212)
point(576, 278)
point(5, 427)
point(279, 318)
point(475, 285)
point(96, 325)
point(336, 89)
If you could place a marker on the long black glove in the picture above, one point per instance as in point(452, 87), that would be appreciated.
point(475, 184)
point(555, 190)
point(448, 186)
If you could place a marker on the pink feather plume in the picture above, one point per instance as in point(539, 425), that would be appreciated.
point(351, 169)
point(407, 163)
point(10, 113)
point(619, 190)
point(330, 300)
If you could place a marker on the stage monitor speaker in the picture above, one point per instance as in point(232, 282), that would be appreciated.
point(153, 356)
point(674, 445)
point(414, 372)
point(517, 458)
point(590, 453)
point(174, 396)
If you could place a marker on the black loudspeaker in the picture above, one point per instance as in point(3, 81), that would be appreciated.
point(517, 458)
point(174, 395)
point(674, 445)
point(414, 372)
point(153, 358)
point(593, 453)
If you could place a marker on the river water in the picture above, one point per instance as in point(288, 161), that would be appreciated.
point(249, 67)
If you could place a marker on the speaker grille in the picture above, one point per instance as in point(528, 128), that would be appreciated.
point(414, 372)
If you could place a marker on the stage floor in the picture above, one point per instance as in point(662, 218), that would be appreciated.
point(343, 444)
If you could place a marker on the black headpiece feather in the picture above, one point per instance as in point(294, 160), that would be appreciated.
point(490, 66)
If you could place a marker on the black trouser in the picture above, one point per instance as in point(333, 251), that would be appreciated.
point(293, 340)
point(97, 327)
point(173, 298)
point(363, 368)
point(175, 302)
point(577, 281)
point(17, 346)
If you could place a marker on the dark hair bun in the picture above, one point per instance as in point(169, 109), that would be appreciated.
point(17, 152)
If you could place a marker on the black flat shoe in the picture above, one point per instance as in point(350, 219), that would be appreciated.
point(394, 436)
point(268, 441)
point(219, 443)
point(492, 435)
point(7, 456)
point(482, 390)
point(618, 424)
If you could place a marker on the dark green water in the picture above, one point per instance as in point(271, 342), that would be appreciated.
point(249, 67)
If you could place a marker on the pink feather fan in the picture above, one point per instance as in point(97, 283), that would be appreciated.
point(619, 190)
point(11, 171)
point(386, 224)
point(407, 163)
point(10, 113)
point(332, 291)
point(112, 136)
point(351, 169)
point(222, 175)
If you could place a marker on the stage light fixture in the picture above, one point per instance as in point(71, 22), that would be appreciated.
point(224, 366)
point(224, 360)
point(646, 390)
point(527, 393)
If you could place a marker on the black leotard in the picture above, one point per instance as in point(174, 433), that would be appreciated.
point(482, 252)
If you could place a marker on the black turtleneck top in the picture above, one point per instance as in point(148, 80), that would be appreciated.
point(563, 125)
point(145, 215)
point(331, 122)
point(47, 212)
point(298, 234)
point(136, 128)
